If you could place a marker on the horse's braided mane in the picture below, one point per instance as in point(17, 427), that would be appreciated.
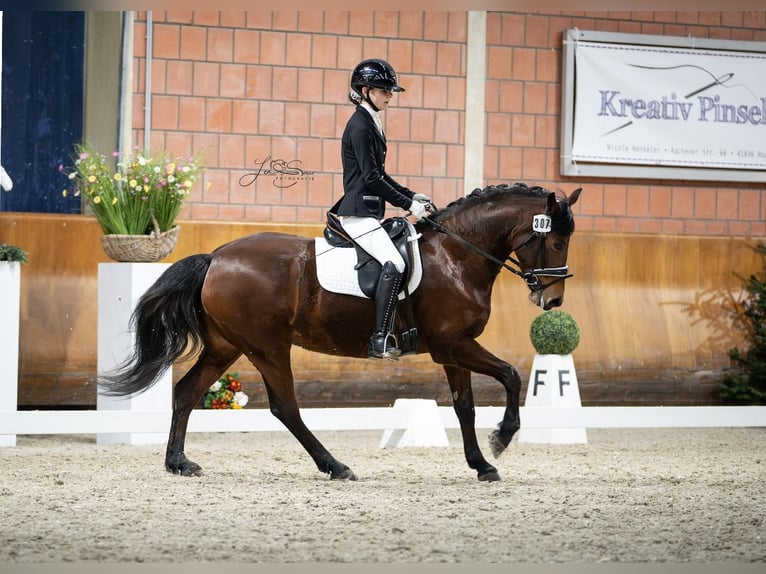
point(489, 193)
point(563, 223)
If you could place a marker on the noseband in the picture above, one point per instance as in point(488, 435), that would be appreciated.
point(532, 276)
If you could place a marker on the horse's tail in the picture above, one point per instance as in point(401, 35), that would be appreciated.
point(166, 322)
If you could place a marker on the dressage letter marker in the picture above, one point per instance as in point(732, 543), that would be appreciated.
point(421, 425)
point(552, 383)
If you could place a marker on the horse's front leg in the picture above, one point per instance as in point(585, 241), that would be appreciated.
point(462, 401)
point(471, 355)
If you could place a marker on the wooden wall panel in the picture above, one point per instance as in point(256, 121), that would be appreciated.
point(643, 340)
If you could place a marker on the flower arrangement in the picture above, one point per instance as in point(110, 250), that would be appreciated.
point(142, 195)
point(225, 393)
point(554, 333)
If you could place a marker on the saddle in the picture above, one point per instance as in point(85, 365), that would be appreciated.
point(368, 270)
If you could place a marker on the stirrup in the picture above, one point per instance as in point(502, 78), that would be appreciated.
point(388, 351)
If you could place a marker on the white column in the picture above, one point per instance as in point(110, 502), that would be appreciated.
point(120, 286)
point(10, 295)
point(1, 87)
point(126, 90)
point(475, 78)
point(552, 384)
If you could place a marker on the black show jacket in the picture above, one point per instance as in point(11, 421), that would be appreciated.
point(366, 185)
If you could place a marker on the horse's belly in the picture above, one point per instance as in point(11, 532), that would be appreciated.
point(333, 324)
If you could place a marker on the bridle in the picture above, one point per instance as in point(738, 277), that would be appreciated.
point(532, 276)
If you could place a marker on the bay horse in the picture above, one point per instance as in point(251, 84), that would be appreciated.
point(258, 295)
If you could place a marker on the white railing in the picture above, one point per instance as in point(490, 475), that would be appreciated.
point(373, 418)
point(147, 418)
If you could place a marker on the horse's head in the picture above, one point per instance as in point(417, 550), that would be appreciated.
point(531, 222)
point(542, 254)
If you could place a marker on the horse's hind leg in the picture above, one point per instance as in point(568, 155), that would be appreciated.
point(278, 379)
point(186, 395)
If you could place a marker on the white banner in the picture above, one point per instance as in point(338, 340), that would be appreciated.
point(668, 106)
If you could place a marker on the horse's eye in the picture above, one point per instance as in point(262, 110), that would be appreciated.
point(558, 245)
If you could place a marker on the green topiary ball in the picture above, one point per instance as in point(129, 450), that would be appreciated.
point(554, 333)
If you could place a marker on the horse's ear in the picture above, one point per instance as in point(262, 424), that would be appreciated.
point(574, 196)
point(552, 203)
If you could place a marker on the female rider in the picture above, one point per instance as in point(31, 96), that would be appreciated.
point(366, 189)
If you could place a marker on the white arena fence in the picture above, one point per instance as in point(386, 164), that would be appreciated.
point(42, 422)
point(147, 418)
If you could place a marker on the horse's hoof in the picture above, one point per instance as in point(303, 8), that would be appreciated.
point(496, 444)
point(191, 469)
point(345, 474)
point(184, 468)
point(489, 476)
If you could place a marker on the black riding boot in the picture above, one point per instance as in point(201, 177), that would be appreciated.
point(382, 342)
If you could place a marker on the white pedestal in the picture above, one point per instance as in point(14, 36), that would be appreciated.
point(422, 425)
point(120, 286)
point(552, 384)
point(10, 300)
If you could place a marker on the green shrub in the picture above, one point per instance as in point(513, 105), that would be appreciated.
point(12, 253)
point(746, 383)
point(554, 333)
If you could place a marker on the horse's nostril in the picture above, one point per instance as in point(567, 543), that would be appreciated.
point(552, 303)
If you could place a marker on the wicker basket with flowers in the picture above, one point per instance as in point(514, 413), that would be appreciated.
point(136, 198)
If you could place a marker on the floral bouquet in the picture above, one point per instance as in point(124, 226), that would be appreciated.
point(141, 195)
point(225, 393)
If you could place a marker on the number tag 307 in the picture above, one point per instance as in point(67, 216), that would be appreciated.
point(541, 223)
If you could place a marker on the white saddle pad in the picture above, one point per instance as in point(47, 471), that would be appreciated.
point(336, 273)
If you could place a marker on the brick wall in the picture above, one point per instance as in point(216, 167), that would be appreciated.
point(248, 86)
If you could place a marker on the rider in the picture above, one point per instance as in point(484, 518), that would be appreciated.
point(366, 189)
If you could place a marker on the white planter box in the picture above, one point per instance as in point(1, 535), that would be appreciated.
point(120, 286)
point(10, 300)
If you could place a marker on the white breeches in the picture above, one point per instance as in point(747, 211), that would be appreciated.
point(371, 237)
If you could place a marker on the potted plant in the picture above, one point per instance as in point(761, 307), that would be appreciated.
point(553, 380)
point(13, 254)
point(137, 201)
point(12, 258)
point(554, 333)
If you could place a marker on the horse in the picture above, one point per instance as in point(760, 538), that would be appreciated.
point(258, 295)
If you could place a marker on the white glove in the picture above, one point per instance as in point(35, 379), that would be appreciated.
point(418, 209)
point(422, 197)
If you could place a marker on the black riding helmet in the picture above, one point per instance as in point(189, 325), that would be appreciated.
point(372, 73)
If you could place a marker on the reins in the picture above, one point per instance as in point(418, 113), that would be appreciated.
point(531, 277)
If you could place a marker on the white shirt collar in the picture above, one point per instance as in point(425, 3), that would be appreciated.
point(375, 116)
